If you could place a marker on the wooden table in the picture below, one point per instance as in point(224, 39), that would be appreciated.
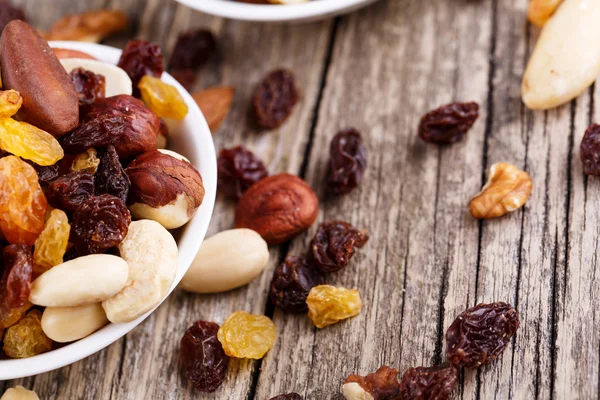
point(380, 70)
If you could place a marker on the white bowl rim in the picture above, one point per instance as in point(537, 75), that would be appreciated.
point(311, 10)
point(197, 227)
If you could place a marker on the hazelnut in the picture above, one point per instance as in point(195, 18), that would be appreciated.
point(277, 207)
point(379, 385)
point(165, 188)
point(507, 190)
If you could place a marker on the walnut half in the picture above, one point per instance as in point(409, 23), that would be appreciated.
point(506, 190)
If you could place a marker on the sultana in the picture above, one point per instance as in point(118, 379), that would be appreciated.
point(329, 304)
point(245, 335)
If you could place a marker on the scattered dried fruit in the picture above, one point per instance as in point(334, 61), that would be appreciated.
point(192, 50)
point(111, 177)
point(292, 281)
point(506, 190)
point(274, 99)
point(215, 103)
point(140, 58)
point(51, 245)
point(245, 335)
point(26, 338)
point(202, 357)
point(163, 99)
point(335, 243)
point(347, 162)
point(380, 385)
point(590, 150)
point(91, 26)
point(89, 86)
point(480, 334)
point(328, 305)
point(69, 191)
point(87, 161)
point(449, 123)
point(433, 383)
point(540, 11)
point(238, 170)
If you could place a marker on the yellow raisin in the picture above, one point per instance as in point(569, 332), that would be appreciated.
point(26, 338)
point(329, 304)
point(87, 161)
point(51, 245)
point(27, 141)
point(245, 335)
point(10, 316)
point(10, 103)
point(163, 99)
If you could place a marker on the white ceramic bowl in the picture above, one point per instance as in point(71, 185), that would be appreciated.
point(194, 141)
point(309, 11)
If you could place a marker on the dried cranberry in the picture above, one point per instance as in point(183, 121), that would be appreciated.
point(89, 86)
point(111, 178)
point(140, 58)
point(192, 50)
point(347, 162)
point(100, 223)
point(480, 334)
point(289, 396)
point(590, 150)
point(15, 285)
point(238, 170)
point(448, 123)
point(335, 243)
point(380, 385)
point(291, 283)
point(68, 191)
point(202, 356)
point(9, 12)
point(433, 383)
point(95, 132)
point(274, 99)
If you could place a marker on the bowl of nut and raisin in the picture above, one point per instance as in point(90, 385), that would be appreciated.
point(107, 186)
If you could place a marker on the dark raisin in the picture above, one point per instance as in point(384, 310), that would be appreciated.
point(289, 396)
point(47, 174)
point(100, 223)
point(433, 383)
point(203, 359)
point(238, 170)
point(9, 12)
point(97, 132)
point(186, 77)
point(590, 150)
point(448, 123)
point(335, 243)
point(17, 274)
point(380, 385)
point(140, 58)
point(347, 162)
point(192, 50)
point(291, 283)
point(111, 178)
point(89, 86)
point(480, 334)
point(274, 99)
point(68, 191)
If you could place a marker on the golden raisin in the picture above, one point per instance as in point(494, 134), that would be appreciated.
point(27, 141)
point(22, 204)
point(10, 103)
point(51, 245)
point(245, 335)
point(87, 161)
point(329, 304)
point(163, 99)
point(9, 316)
point(26, 338)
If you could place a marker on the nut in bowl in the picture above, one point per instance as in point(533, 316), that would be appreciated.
point(191, 138)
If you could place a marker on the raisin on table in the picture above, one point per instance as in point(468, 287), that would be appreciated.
point(449, 123)
point(347, 161)
point(433, 383)
point(68, 191)
point(288, 396)
point(111, 177)
point(380, 385)
point(245, 335)
point(238, 170)
point(202, 357)
point(140, 58)
point(590, 150)
point(88, 85)
point(335, 243)
point(51, 246)
point(328, 305)
point(26, 338)
point(274, 99)
point(101, 222)
point(480, 334)
point(192, 50)
point(291, 283)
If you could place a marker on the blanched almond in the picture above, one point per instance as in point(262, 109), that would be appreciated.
point(67, 324)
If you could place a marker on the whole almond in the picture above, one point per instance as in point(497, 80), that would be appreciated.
point(215, 103)
point(30, 67)
point(277, 207)
point(92, 26)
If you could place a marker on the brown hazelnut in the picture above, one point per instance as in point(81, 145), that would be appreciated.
point(165, 187)
point(277, 207)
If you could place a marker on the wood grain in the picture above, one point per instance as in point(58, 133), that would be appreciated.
point(379, 70)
